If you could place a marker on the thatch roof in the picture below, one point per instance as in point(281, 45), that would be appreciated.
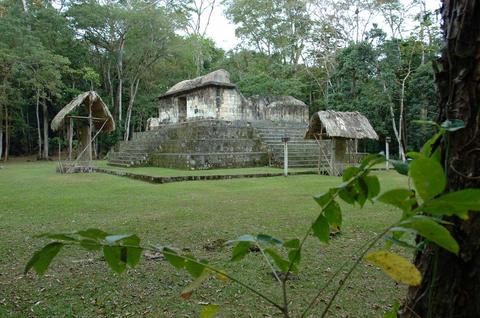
point(351, 125)
point(215, 78)
point(99, 110)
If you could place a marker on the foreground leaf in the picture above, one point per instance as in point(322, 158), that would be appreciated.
point(400, 198)
point(333, 213)
point(264, 238)
point(114, 258)
point(93, 234)
point(281, 263)
point(428, 177)
point(321, 229)
point(42, 258)
point(173, 258)
point(395, 266)
point(373, 186)
point(457, 203)
point(240, 250)
point(400, 166)
point(432, 231)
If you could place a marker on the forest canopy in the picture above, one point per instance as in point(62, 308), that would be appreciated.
point(370, 56)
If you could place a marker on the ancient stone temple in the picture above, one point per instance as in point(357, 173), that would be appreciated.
point(206, 122)
point(213, 96)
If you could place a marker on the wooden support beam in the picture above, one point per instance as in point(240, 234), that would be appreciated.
point(86, 117)
point(70, 138)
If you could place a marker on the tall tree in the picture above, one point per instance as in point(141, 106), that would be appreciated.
point(451, 283)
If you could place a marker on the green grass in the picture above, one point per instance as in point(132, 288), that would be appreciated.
point(169, 172)
point(188, 215)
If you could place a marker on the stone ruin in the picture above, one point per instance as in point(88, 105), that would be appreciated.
point(213, 96)
point(207, 123)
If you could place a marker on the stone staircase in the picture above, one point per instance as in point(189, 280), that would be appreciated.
point(136, 152)
point(194, 145)
point(301, 152)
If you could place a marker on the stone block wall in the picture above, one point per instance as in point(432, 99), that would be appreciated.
point(208, 144)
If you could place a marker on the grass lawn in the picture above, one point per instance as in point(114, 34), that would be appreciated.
point(188, 215)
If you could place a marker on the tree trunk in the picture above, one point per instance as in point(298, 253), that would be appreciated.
point(7, 135)
point(451, 284)
point(39, 131)
point(45, 129)
point(133, 93)
point(1, 132)
point(120, 77)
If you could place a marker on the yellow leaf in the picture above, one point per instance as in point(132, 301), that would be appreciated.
point(221, 276)
point(396, 266)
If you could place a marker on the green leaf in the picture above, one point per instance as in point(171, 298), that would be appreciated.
point(243, 238)
point(93, 234)
point(134, 251)
point(373, 186)
point(372, 160)
point(400, 166)
point(432, 144)
point(295, 256)
point(281, 263)
point(349, 173)
point(293, 243)
point(114, 258)
point(426, 122)
point(362, 192)
point(453, 125)
point(209, 311)
point(323, 198)
point(267, 239)
point(240, 250)
point(321, 229)
point(346, 196)
point(457, 203)
point(428, 177)
point(333, 213)
point(173, 258)
point(115, 238)
point(90, 245)
point(432, 231)
point(60, 237)
point(42, 258)
point(194, 267)
point(393, 313)
point(197, 282)
point(414, 155)
point(395, 266)
point(400, 198)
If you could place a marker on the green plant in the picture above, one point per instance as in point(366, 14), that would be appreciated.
point(423, 210)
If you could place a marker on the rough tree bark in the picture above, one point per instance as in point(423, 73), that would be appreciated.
point(1, 132)
point(451, 284)
point(45, 129)
point(39, 131)
point(7, 135)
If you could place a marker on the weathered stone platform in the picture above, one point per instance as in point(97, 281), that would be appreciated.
point(206, 144)
point(169, 179)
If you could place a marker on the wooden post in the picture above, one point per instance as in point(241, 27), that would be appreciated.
point(90, 124)
point(387, 152)
point(332, 157)
point(70, 139)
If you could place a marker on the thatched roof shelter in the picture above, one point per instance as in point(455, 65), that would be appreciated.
point(332, 124)
point(100, 112)
point(220, 78)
